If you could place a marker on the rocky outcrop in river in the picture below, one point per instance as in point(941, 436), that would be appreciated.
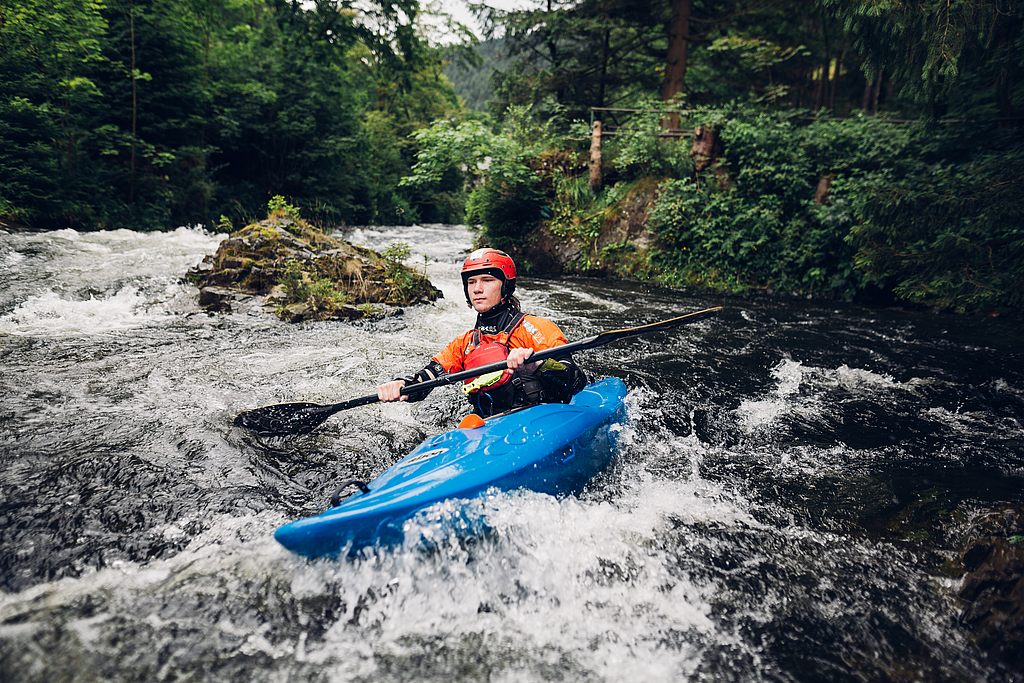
point(992, 590)
point(303, 273)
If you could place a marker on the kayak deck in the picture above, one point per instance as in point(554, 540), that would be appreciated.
point(550, 448)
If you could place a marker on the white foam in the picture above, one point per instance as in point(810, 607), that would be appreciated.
point(50, 314)
point(554, 301)
point(108, 260)
point(756, 413)
point(561, 575)
point(588, 581)
point(855, 378)
point(800, 390)
point(572, 577)
point(1003, 386)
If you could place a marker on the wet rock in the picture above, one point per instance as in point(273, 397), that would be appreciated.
point(216, 299)
point(296, 313)
point(306, 274)
point(992, 590)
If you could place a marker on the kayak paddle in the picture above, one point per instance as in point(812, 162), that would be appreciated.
point(302, 418)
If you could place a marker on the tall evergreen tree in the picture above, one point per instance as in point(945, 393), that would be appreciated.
point(50, 56)
point(932, 48)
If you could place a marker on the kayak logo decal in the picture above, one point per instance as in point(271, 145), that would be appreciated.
point(425, 455)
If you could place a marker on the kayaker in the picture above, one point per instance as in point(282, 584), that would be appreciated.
point(502, 331)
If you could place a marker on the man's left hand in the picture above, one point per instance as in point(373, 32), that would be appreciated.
point(517, 359)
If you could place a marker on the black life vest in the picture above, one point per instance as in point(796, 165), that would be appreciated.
point(503, 390)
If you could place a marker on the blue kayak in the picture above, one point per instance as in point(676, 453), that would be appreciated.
point(551, 448)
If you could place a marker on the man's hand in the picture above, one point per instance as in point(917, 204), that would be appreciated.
point(392, 391)
point(517, 359)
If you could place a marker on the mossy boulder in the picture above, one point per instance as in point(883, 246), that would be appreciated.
point(992, 589)
point(613, 241)
point(306, 274)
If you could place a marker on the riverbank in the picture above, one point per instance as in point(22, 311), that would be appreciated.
point(856, 209)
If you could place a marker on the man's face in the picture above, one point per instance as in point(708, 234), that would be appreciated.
point(484, 292)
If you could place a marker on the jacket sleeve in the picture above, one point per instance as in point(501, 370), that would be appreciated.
point(447, 361)
point(433, 370)
point(452, 356)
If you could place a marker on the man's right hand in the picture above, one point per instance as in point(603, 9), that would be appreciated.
point(392, 391)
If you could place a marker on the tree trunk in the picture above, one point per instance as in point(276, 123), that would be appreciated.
point(1003, 100)
point(878, 90)
point(131, 167)
point(821, 191)
point(602, 82)
point(595, 157)
point(819, 87)
point(821, 94)
point(705, 147)
point(835, 81)
point(865, 99)
point(552, 45)
point(675, 60)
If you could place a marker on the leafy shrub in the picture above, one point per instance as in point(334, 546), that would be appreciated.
point(279, 207)
point(507, 203)
point(400, 279)
point(755, 223)
point(933, 216)
point(765, 157)
point(637, 149)
point(857, 144)
point(578, 210)
point(503, 193)
point(715, 237)
point(949, 235)
point(320, 294)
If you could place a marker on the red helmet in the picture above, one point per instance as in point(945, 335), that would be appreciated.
point(493, 262)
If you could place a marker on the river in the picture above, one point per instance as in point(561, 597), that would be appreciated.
point(792, 482)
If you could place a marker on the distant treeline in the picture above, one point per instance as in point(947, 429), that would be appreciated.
point(157, 113)
point(916, 58)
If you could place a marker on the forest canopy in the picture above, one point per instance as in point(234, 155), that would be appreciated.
point(153, 114)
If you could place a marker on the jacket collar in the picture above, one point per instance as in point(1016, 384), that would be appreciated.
point(494, 320)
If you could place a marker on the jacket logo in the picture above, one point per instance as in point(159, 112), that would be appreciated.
point(532, 329)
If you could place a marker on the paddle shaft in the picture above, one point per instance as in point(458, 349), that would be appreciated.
point(594, 342)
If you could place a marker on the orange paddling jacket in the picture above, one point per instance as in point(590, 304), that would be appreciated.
point(555, 381)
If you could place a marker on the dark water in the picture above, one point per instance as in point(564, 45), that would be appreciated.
point(793, 483)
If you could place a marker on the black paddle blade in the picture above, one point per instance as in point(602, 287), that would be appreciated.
point(284, 418)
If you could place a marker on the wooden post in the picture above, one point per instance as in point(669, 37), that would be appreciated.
point(595, 157)
point(704, 149)
point(824, 185)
